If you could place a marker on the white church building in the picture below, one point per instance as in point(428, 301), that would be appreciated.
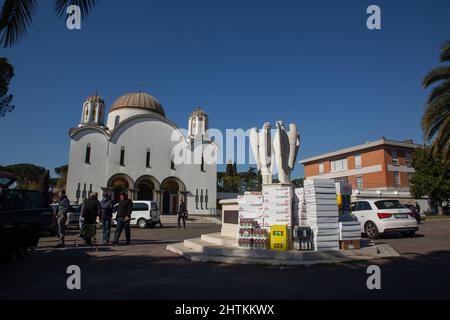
point(134, 152)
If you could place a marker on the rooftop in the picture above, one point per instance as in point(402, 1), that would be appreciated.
point(367, 145)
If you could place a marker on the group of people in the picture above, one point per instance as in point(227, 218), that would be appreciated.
point(93, 211)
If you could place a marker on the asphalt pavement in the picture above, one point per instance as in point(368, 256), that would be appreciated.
point(146, 270)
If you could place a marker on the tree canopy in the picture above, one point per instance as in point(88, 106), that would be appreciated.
point(431, 177)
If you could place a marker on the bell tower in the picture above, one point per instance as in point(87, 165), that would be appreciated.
point(198, 123)
point(93, 111)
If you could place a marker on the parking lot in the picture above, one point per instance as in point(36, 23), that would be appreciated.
point(146, 270)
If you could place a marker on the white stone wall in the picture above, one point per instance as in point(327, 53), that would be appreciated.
point(136, 136)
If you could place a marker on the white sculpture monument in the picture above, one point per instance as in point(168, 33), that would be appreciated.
point(282, 151)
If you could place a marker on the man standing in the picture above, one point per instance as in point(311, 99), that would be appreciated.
point(61, 217)
point(182, 214)
point(107, 210)
point(124, 209)
point(91, 210)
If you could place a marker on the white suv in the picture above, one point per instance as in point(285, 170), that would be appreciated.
point(382, 216)
point(145, 213)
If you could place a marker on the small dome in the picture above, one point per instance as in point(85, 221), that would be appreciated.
point(138, 100)
point(199, 113)
point(95, 99)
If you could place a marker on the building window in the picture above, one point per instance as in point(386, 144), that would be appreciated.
point(147, 159)
point(122, 156)
point(408, 157)
point(202, 165)
point(397, 181)
point(358, 163)
point(339, 165)
point(116, 121)
point(359, 182)
point(87, 158)
point(321, 170)
point(394, 156)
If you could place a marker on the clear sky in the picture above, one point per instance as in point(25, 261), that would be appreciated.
point(249, 61)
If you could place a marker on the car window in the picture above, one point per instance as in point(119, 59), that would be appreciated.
point(389, 204)
point(363, 205)
point(136, 207)
point(353, 206)
point(143, 206)
point(22, 199)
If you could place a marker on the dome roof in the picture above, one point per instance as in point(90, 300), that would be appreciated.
point(198, 113)
point(95, 99)
point(138, 100)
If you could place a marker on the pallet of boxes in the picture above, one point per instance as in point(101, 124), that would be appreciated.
point(278, 214)
point(349, 232)
point(302, 234)
point(252, 234)
point(322, 213)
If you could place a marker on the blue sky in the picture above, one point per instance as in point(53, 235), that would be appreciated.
point(310, 62)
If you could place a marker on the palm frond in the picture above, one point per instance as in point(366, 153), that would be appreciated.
point(445, 54)
point(439, 91)
point(85, 6)
point(15, 18)
point(435, 114)
point(435, 75)
point(442, 138)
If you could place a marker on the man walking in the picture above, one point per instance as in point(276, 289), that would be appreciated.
point(91, 210)
point(107, 206)
point(61, 217)
point(124, 209)
point(182, 214)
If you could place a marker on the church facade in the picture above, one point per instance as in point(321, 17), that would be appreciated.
point(133, 151)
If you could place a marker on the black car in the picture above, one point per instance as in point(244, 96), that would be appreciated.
point(24, 215)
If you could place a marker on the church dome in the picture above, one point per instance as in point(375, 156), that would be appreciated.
point(95, 99)
point(139, 100)
point(199, 113)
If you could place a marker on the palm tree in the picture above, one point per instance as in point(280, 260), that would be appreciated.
point(436, 118)
point(17, 16)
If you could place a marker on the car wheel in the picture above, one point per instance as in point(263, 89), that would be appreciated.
point(371, 230)
point(142, 223)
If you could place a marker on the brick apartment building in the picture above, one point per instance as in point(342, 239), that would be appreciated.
point(380, 168)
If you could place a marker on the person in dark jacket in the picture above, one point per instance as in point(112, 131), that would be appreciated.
point(124, 210)
point(182, 214)
point(91, 210)
point(107, 206)
point(61, 217)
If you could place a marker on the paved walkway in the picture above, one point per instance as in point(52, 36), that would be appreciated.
point(146, 270)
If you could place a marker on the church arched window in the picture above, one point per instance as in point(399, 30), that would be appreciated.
point(147, 158)
point(116, 121)
point(87, 158)
point(122, 156)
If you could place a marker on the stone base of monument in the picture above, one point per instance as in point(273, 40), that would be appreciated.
point(215, 247)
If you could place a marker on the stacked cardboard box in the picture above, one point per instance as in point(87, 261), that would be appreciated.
point(251, 207)
point(322, 213)
point(277, 205)
point(349, 230)
point(299, 208)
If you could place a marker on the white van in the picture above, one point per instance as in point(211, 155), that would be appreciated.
point(145, 213)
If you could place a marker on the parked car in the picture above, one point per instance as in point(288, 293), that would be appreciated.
point(24, 215)
point(73, 216)
point(145, 213)
point(382, 216)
